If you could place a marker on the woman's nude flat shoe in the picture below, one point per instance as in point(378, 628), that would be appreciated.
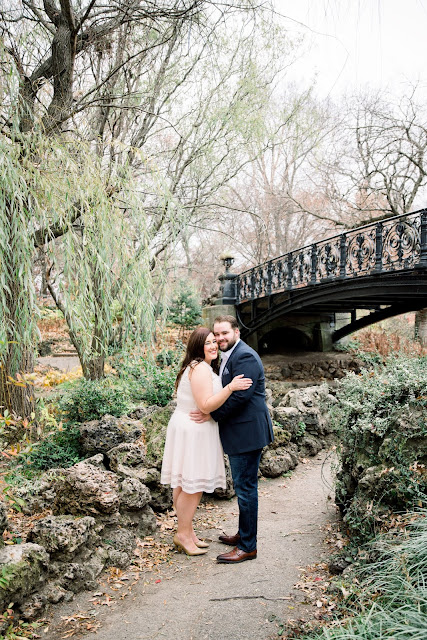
point(180, 547)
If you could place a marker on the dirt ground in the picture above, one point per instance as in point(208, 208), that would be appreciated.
point(197, 599)
point(64, 363)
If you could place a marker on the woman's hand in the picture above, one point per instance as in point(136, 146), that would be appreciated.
point(240, 383)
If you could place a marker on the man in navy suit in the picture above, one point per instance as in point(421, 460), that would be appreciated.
point(245, 429)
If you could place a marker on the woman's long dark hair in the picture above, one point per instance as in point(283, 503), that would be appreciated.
point(195, 352)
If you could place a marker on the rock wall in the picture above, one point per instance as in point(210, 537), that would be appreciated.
point(300, 424)
point(96, 509)
point(315, 367)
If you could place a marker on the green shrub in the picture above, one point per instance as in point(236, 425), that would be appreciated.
point(128, 365)
point(380, 418)
point(86, 400)
point(59, 449)
point(159, 385)
point(170, 357)
point(146, 382)
point(185, 309)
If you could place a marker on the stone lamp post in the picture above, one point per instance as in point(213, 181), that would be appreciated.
point(227, 297)
point(227, 279)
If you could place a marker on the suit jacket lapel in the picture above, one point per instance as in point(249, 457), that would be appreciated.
point(227, 365)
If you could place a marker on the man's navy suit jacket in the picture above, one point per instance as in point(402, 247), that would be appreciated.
point(244, 420)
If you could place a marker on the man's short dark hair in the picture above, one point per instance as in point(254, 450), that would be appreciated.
point(231, 319)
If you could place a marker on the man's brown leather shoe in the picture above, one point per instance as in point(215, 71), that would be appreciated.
point(230, 540)
point(235, 556)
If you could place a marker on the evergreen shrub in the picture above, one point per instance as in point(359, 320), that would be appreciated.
point(380, 419)
point(86, 400)
point(185, 309)
point(60, 449)
point(152, 384)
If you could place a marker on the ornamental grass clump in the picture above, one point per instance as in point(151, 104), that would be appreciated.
point(380, 419)
point(389, 600)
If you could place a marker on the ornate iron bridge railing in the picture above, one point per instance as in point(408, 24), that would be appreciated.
point(393, 244)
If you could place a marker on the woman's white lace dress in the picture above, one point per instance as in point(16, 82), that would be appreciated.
point(193, 458)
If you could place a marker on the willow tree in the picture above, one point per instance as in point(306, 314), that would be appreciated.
point(74, 165)
point(45, 186)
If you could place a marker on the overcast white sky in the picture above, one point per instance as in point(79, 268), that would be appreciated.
point(358, 42)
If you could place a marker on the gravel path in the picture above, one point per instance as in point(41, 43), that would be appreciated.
point(197, 599)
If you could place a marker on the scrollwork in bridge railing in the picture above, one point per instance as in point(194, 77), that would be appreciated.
point(328, 259)
point(301, 267)
point(392, 244)
point(360, 254)
point(401, 243)
point(279, 274)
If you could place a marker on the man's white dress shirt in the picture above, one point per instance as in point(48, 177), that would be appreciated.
point(225, 355)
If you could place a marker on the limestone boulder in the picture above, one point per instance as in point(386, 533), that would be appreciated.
point(81, 574)
point(228, 492)
point(55, 593)
point(139, 413)
point(129, 460)
point(3, 517)
point(141, 523)
point(133, 494)
point(374, 479)
point(24, 570)
point(161, 494)
point(85, 489)
point(37, 495)
point(288, 418)
point(306, 398)
point(32, 607)
point(269, 399)
point(35, 604)
point(63, 536)
point(99, 436)
point(120, 546)
point(276, 462)
point(282, 436)
point(98, 461)
point(310, 445)
point(155, 426)
point(312, 405)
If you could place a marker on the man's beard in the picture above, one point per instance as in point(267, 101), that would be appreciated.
point(229, 346)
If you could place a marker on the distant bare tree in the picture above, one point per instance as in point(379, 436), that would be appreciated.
point(276, 190)
point(377, 164)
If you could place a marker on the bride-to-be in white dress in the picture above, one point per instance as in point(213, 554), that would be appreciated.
point(193, 458)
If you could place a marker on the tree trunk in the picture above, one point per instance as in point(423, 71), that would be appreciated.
point(18, 330)
point(15, 394)
point(94, 368)
point(421, 327)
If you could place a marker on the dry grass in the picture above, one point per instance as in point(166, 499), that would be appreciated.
point(392, 336)
point(385, 344)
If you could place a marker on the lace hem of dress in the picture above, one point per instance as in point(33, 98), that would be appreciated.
point(194, 486)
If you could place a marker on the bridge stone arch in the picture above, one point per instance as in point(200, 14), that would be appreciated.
point(327, 290)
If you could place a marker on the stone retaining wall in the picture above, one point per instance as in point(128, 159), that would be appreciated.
point(94, 511)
